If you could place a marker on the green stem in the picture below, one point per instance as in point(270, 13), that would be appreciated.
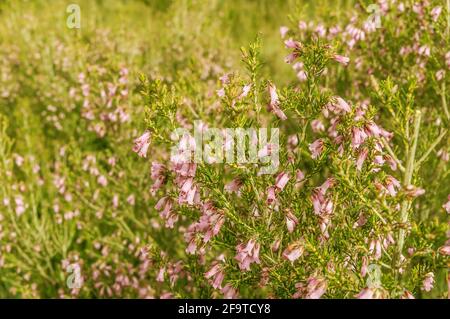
point(394, 157)
point(444, 99)
point(407, 181)
point(431, 148)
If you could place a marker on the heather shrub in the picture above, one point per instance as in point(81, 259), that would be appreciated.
point(121, 179)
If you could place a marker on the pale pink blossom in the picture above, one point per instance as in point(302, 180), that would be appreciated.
point(234, 186)
point(271, 196)
point(291, 221)
point(283, 31)
point(299, 176)
point(293, 251)
point(317, 126)
point(428, 282)
point(413, 191)
point(281, 180)
point(141, 144)
point(341, 59)
point(160, 276)
point(436, 12)
point(216, 274)
point(102, 180)
point(445, 250)
point(316, 148)
point(358, 137)
point(446, 206)
point(361, 158)
point(392, 185)
point(229, 292)
point(440, 75)
point(274, 104)
point(314, 289)
point(247, 254)
point(338, 105)
point(221, 92)
point(407, 295)
point(291, 44)
point(366, 293)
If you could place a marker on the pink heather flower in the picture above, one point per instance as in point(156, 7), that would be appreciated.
point(207, 227)
point(247, 254)
point(424, 50)
point(329, 182)
point(225, 79)
point(317, 126)
point(274, 104)
point(362, 220)
point(373, 130)
point(436, 12)
point(164, 206)
point(440, 75)
point(407, 295)
point(342, 105)
point(290, 58)
point(322, 205)
point(358, 137)
point(293, 251)
point(302, 25)
point(338, 105)
point(316, 148)
point(366, 293)
point(341, 59)
point(302, 76)
point(160, 276)
point(157, 174)
point(392, 163)
point(141, 144)
point(267, 150)
point(245, 91)
point(361, 158)
point(275, 245)
point(291, 44)
point(375, 248)
point(221, 92)
point(216, 274)
point(283, 31)
point(166, 295)
point(428, 282)
point(131, 200)
point(102, 180)
point(229, 292)
point(414, 191)
point(292, 141)
point(234, 186)
point(20, 205)
point(296, 46)
point(291, 221)
point(281, 180)
point(271, 196)
point(364, 266)
point(316, 288)
point(445, 250)
point(392, 185)
point(446, 206)
point(299, 176)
